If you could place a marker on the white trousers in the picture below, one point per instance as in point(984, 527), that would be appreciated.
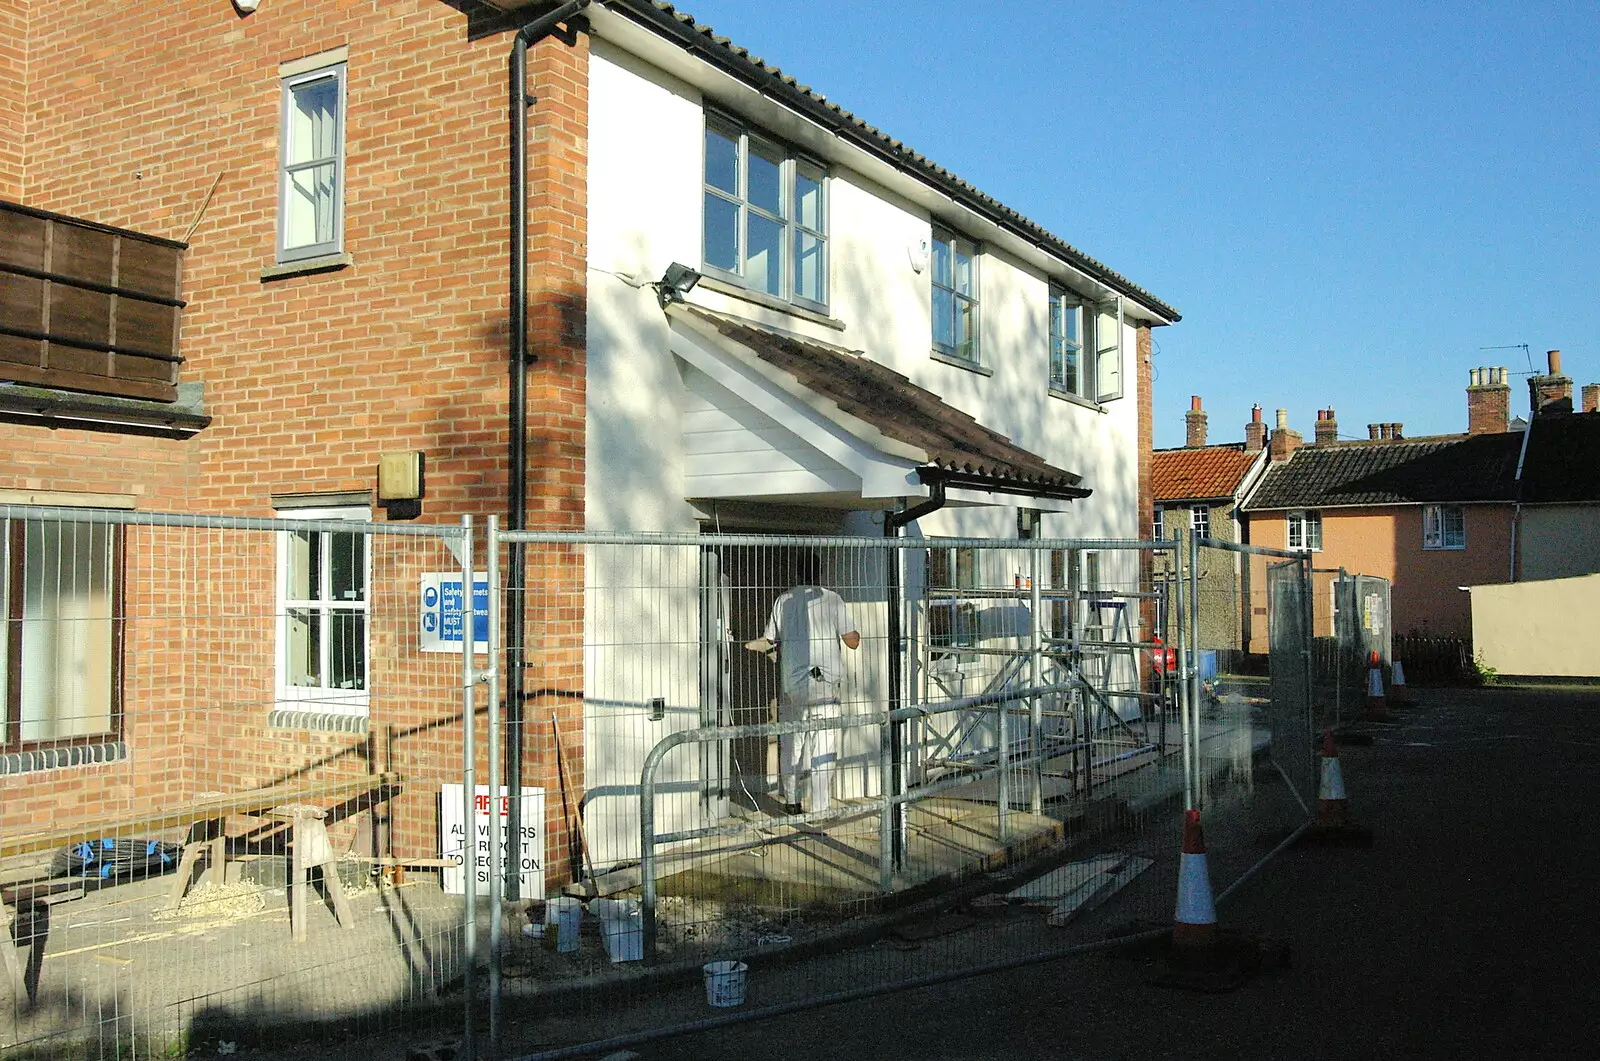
point(806, 761)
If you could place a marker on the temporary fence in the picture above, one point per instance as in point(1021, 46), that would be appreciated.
point(1001, 751)
point(1009, 742)
point(226, 742)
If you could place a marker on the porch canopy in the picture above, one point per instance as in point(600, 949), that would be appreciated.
point(776, 417)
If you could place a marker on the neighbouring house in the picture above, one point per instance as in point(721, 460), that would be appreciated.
point(1435, 515)
point(246, 257)
point(1196, 490)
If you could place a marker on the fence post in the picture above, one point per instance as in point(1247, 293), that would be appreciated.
point(1035, 677)
point(497, 850)
point(1193, 675)
point(469, 792)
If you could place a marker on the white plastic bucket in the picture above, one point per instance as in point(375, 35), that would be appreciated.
point(621, 928)
point(725, 982)
point(566, 914)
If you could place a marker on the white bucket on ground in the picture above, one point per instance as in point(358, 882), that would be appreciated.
point(725, 982)
point(566, 913)
point(621, 928)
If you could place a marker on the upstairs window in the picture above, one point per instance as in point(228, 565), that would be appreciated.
point(1200, 521)
point(1444, 527)
point(1305, 531)
point(1160, 524)
point(311, 164)
point(1085, 347)
point(766, 220)
point(60, 651)
point(955, 296)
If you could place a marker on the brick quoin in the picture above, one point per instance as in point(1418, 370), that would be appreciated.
point(1146, 444)
point(128, 119)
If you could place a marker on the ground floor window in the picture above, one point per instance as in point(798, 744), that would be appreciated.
point(60, 655)
point(322, 627)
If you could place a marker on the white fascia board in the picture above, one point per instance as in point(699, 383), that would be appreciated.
point(681, 322)
point(728, 92)
point(782, 397)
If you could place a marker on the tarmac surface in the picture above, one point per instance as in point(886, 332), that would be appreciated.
point(1469, 929)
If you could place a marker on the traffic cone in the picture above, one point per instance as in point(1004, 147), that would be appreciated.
point(1333, 826)
point(1397, 684)
point(1194, 922)
point(1377, 703)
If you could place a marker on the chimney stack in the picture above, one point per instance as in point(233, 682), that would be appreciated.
point(1283, 442)
point(1488, 401)
point(1195, 420)
point(1327, 427)
point(1395, 432)
point(1374, 432)
point(1255, 432)
point(1591, 398)
point(1550, 394)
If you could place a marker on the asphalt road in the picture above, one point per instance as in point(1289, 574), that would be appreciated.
point(1469, 930)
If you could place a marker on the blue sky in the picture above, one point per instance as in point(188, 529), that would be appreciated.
point(1346, 203)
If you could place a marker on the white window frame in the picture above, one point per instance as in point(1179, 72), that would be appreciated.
point(1159, 524)
point(286, 170)
point(791, 169)
point(1304, 524)
point(1436, 528)
point(972, 249)
point(1098, 348)
point(1200, 521)
point(322, 697)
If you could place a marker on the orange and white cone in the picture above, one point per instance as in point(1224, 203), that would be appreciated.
point(1333, 810)
point(1377, 703)
point(1397, 683)
point(1194, 923)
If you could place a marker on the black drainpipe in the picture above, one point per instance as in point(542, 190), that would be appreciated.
point(517, 504)
point(893, 523)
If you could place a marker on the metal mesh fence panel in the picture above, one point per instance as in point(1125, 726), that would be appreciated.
point(974, 753)
point(226, 783)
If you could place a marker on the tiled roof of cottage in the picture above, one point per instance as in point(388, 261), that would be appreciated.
point(894, 405)
point(709, 45)
point(1451, 469)
point(1199, 473)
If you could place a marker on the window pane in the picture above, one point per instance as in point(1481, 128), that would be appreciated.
point(722, 233)
point(941, 262)
point(313, 130)
point(304, 660)
point(764, 178)
point(722, 161)
point(67, 638)
point(763, 263)
point(964, 272)
point(311, 206)
point(347, 564)
point(808, 267)
point(305, 567)
point(1314, 530)
point(808, 198)
point(966, 329)
point(944, 316)
point(348, 650)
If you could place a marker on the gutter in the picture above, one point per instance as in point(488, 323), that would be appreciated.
point(1516, 512)
point(517, 503)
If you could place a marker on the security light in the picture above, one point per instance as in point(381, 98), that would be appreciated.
point(678, 281)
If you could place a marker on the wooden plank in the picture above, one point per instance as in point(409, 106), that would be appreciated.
point(210, 808)
point(82, 381)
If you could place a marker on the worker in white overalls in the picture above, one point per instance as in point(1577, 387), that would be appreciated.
point(807, 625)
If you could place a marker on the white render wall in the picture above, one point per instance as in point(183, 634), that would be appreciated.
point(645, 194)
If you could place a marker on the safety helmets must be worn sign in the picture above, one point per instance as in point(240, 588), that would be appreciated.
point(442, 617)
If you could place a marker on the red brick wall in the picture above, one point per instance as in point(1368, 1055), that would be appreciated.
point(134, 113)
point(13, 75)
point(1146, 429)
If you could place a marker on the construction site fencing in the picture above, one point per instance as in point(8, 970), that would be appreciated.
point(233, 774)
point(1011, 739)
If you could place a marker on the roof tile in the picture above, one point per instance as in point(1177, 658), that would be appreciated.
point(1200, 472)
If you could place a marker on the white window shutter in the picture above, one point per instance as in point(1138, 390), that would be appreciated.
point(1108, 351)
